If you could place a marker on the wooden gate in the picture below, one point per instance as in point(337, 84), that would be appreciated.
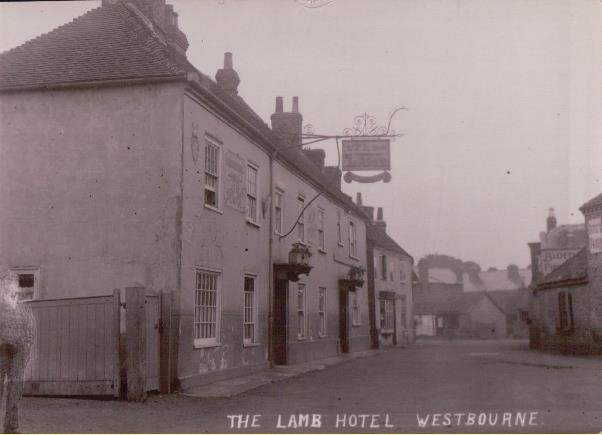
point(76, 347)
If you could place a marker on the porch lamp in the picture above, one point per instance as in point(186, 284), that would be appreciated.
point(299, 255)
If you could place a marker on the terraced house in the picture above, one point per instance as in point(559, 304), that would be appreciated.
point(124, 166)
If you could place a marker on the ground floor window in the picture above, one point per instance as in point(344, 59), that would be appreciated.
point(27, 282)
point(322, 311)
point(301, 320)
point(387, 315)
point(565, 311)
point(206, 307)
point(249, 310)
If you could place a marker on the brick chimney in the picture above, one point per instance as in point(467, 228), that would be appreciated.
point(316, 156)
point(551, 220)
point(369, 211)
point(535, 250)
point(227, 77)
point(164, 17)
point(333, 173)
point(287, 125)
point(380, 223)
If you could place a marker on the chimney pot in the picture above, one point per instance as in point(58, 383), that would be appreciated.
point(295, 104)
point(279, 105)
point(228, 64)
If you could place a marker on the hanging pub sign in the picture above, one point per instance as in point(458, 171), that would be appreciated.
point(366, 155)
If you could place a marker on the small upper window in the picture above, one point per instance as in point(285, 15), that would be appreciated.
point(212, 164)
point(352, 240)
point(339, 232)
point(301, 219)
point(252, 193)
point(278, 210)
point(321, 241)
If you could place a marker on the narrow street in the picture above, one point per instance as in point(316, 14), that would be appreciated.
point(463, 386)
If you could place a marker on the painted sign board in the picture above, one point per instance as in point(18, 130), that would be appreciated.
point(366, 155)
point(594, 231)
point(234, 189)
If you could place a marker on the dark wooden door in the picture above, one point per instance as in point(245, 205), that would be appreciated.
point(344, 319)
point(280, 315)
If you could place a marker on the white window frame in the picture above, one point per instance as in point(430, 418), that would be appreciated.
point(278, 206)
point(252, 196)
point(198, 305)
point(322, 325)
point(27, 270)
point(352, 238)
point(321, 233)
point(402, 275)
point(209, 144)
point(301, 311)
point(301, 233)
point(356, 315)
point(250, 318)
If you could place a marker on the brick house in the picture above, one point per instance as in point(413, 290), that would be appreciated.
point(566, 304)
point(121, 164)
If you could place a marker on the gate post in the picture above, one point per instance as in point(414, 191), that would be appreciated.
point(135, 331)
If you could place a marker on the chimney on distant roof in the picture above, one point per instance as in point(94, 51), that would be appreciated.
point(287, 125)
point(317, 156)
point(379, 219)
point(369, 211)
point(227, 77)
point(164, 17)
point(551, 220)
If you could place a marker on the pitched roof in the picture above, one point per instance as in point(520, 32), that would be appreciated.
point(111, 42)
point(431, 302)
point(594, 202)
point(117, 42)
point(380, 238)
point(495, 280)
point(572, 272)
point(443, 275)
point(510, 301)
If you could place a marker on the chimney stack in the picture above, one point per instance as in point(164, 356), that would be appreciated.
point(380, 223)
point(317, 157)
point(227, 77)
point(551, 220)
point(163, 16)
point(287, 125)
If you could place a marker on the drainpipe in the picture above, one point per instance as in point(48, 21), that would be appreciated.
point(271, 263)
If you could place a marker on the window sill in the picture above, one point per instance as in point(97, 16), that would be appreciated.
point(250, 344)
point(301, 338)
point(354, 257)
point(340, 244)
point(253, 223)
point(386, 331)
point(353, 325)
point(322, 335)
point(210, 207)
point(322, 251)
point(197, 344)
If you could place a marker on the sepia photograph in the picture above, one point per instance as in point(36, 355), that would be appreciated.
point(301, 216)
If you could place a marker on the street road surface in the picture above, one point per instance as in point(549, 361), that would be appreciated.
point(464, 386)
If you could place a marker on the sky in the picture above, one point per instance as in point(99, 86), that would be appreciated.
point(504, 101)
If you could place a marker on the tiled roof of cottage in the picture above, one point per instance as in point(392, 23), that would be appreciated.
point(572, 271)
point(380, 238)
point(116, 42)
point(431, 302)
point(107, 43)
point(495, 280)
point(510, 301)
point(594, 202)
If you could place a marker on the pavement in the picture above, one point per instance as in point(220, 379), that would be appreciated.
point(235, 386)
